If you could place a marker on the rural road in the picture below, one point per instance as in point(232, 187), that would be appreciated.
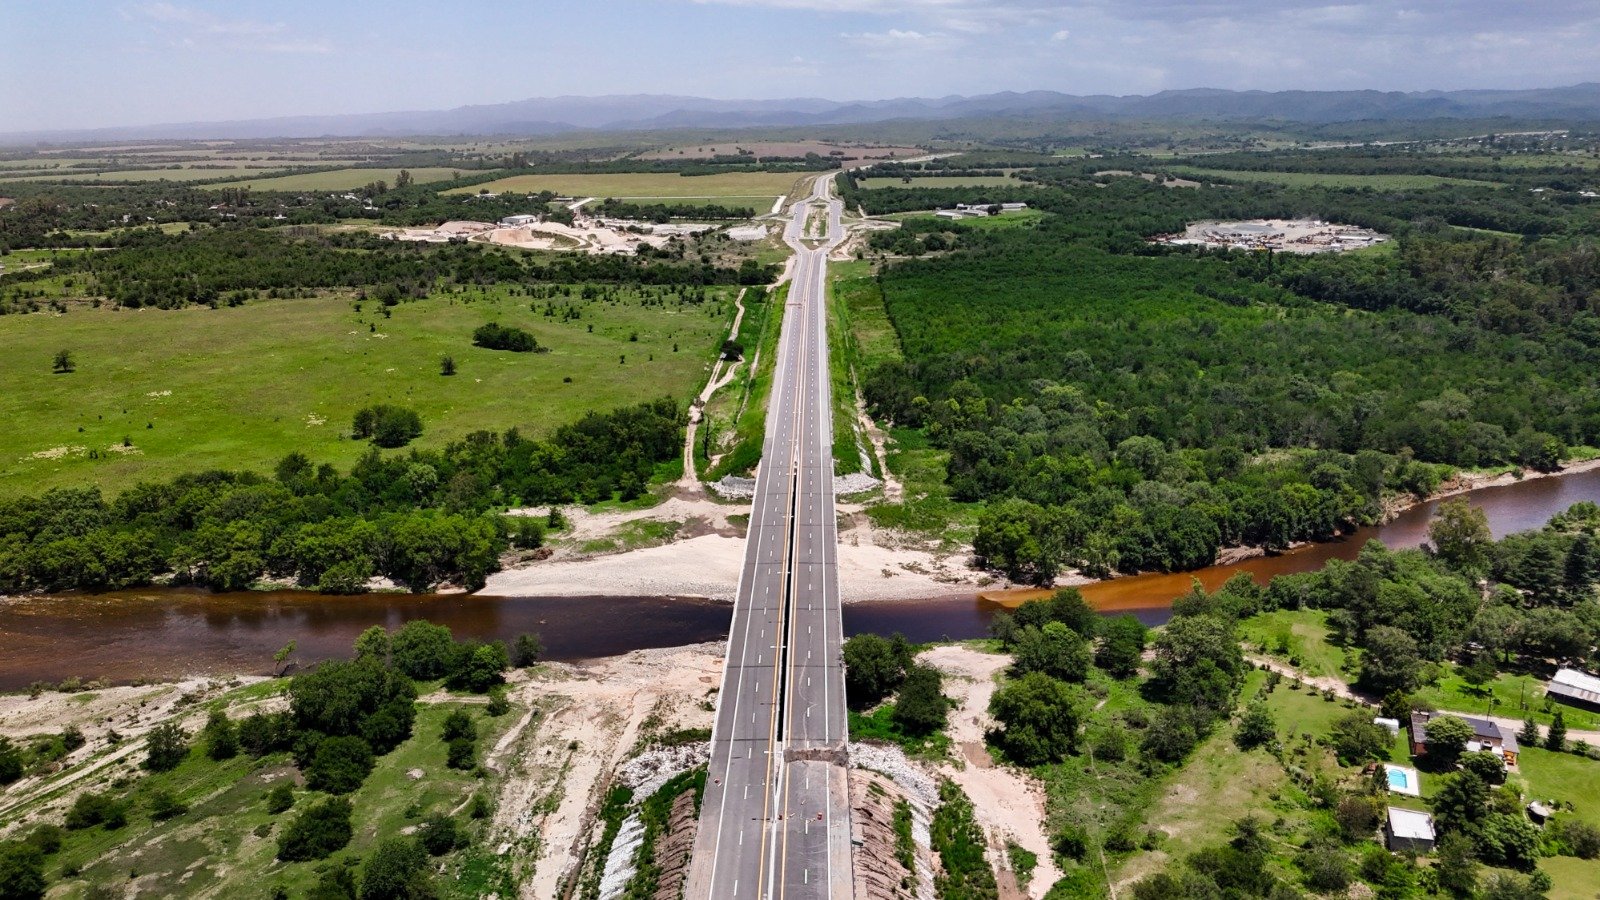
point(775, 819)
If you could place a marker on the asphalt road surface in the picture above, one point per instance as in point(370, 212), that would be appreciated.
point(775, 819)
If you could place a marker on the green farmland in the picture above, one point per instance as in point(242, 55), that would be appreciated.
point(200, 388)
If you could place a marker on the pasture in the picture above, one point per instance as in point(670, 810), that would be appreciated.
point(940, 181)
point(200, 388)
point(338, 179)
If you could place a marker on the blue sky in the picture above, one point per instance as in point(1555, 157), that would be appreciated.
point(83, 64)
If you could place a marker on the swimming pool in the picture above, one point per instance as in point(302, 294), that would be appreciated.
point(1398, 780)
point(1402, 780)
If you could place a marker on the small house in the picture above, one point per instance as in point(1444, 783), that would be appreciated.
point(1390, 725)
point(1574, 688)
point(1408, 829)
point(518, 221)
point(1486, 735)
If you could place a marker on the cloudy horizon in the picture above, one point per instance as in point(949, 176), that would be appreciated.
point(86, 64)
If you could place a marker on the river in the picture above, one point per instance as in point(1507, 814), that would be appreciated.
point(163, 633)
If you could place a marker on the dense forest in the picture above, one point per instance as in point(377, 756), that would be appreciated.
point(1139, 406)
point(418, 519)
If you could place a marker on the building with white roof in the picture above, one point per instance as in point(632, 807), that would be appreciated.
point(1408, 829)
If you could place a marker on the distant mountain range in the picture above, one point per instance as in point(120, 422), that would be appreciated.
point(642, 112)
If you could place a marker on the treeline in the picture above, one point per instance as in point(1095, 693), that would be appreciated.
point(155, 269)
point(420, 519)
point(611, 207)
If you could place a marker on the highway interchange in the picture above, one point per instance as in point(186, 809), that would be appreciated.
point(775, 818)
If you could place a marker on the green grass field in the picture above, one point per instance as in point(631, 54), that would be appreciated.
point(1298, 637)
point(337, 179)
point(941, 181)
point(1513, 696)
point(238, 388)
point(743, 186)
point(1305, 179)
point(135, 174)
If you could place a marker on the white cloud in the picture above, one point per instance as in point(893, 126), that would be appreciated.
point(1061, 35)
point(189, 27)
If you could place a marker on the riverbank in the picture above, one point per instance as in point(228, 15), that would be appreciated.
point(1404, 525)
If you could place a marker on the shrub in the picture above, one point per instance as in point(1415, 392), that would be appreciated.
point(280, 798)
point(47, 837)
point(1256, 728)
point(91, 809)
point(498, 704)
point(494, 336)
point(263, 733)
point(339, 765)
point(439, 835)
point(21, 871)
point(458, 724)
point(921, 706)
point(526, 650)
point(461, 753)
point(391, 870)
point(11, 762)
point(221, 736)
point(163, 804)
point(321, 830)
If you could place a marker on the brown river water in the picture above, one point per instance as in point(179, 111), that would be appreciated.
point(158, 633)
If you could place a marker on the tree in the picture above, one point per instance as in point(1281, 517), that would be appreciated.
point(281, 657)
point(1460, 803)
point(1486, 764)
point(21, 871)
point(1461, 537)
point(526, 650)
point(339, 765)
point(221, 736)
point(358, 697)
point(1508, 840)
point(1529, 735)
point(1055, 650)
point(477, 667)
point(165, 747)
point(374, 643)
point(1556, 737)
point(387, 426)
point(1039, 718)
point(921, 706)
point(91, 809)
point(447, 365)
point(1022, 539)
point(1447, 738)
point(48, 838)
point(1391, 661)
point(423, 650)
point(1357, 816)
point(1256, 728)
point(1579, 837)
point(63, 362)
point(1457, 865)
point(873, 667)
point(1121, 648)
point(1355, 738)
point(392, 869)
point(320, 830)
point(1198, 663)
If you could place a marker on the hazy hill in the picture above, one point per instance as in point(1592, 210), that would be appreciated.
point(554, 115)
